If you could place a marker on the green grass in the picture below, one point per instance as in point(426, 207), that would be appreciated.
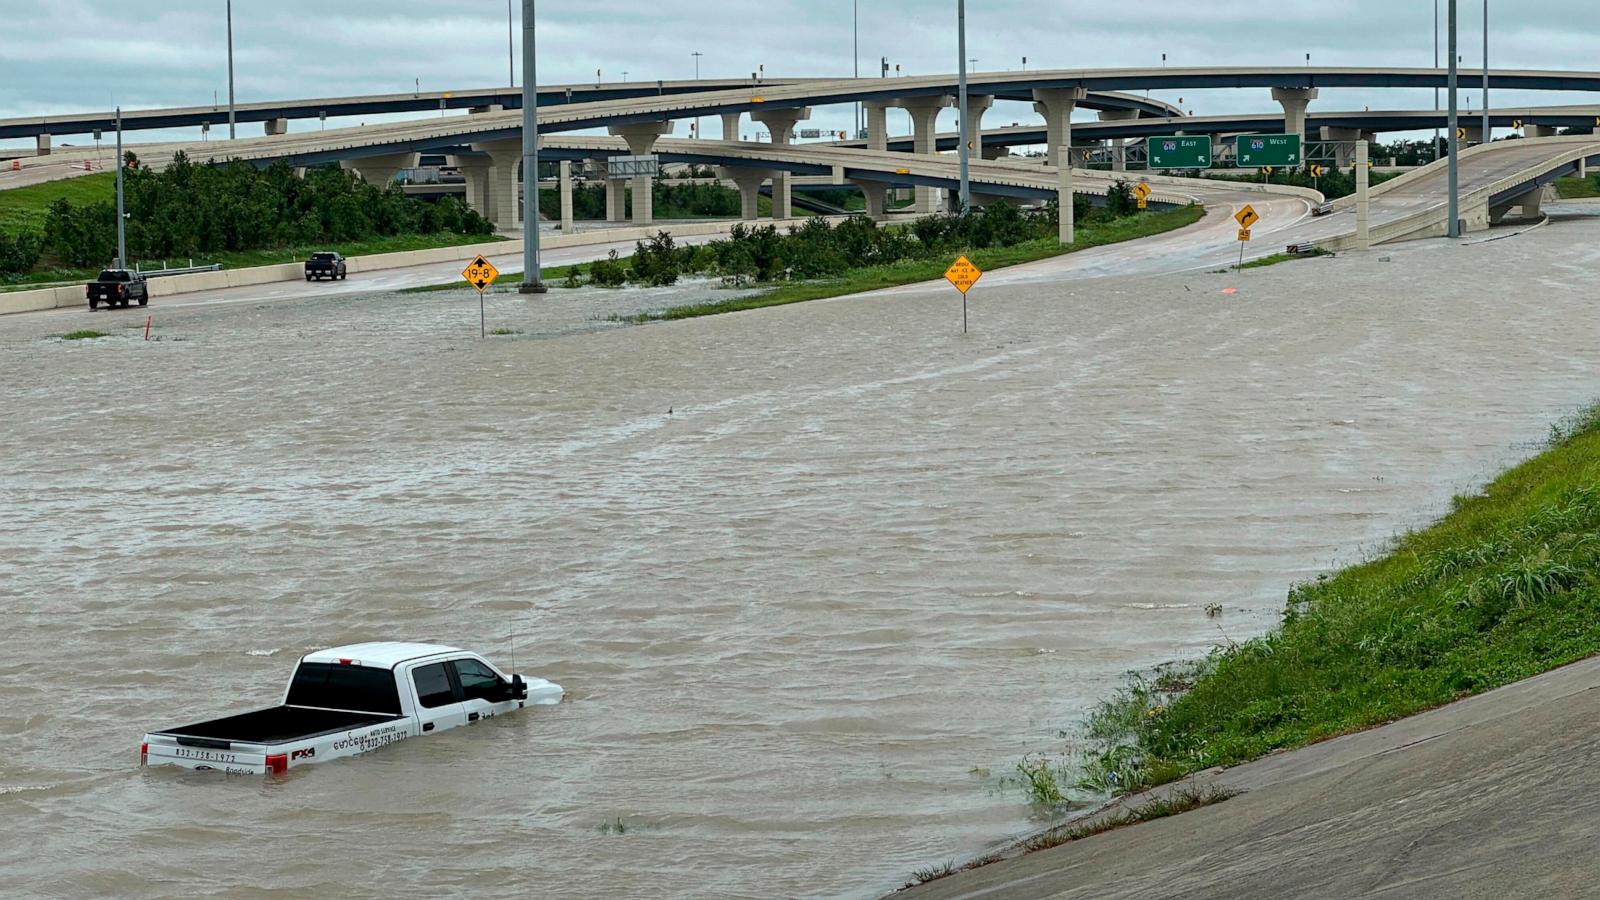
point(83, 335)
point(916, 271)
point(248, 258)
point(24, 208)
point(1504, 587)
point(1180, 800)
point(1575, 188)
point(1277, 258)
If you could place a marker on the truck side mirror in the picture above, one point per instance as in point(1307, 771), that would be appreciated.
point(519, 688)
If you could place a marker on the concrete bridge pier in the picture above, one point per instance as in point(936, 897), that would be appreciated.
point(780, 124)
point(1057, 105)
point(1474, 133)
point(924, 141)
point(749, 182)
point(616, 193)
point(877, 125)
point(972, 132)
point(1344, 140)
point(1538, 131)
point(1119, 146)
point(565, 177)
point(730, 126)
point(475, 169)
point(641, 138)
point(276, 126)
point(41, 145)
point(380, 171)
point(504, 194)
point(1294, 102)
point(877, 194)
point(1528, 205)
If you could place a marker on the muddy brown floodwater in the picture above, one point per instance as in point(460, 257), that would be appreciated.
point(861, 557)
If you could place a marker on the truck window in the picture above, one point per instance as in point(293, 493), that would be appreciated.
point(114, 274)
point(478, 681)
point(335, 686)
point(433, 686)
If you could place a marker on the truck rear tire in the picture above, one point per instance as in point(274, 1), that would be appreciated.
point(93, 304)
point(145, 300)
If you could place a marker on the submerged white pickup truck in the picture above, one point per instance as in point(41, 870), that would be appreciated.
point(347, 701)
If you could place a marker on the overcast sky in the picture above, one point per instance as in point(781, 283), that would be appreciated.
point(79, 55)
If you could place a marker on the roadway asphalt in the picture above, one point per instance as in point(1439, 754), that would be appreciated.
point(1497, 796)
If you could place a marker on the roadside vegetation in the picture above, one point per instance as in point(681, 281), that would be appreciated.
point(1575, 188)
point(1277, 258)
point(231, 213)
point(1503, 588)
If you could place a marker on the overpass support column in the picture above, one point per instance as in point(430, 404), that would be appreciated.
point(749, 182)
point(641, 138)
point(1474, 133)
point(924, 140)
point(1344, 140)
point(41, 146)
point(877, 125)
point(780, 124)
point(276, 126)
point(616, 194)
point(730, 126)
point(877, 195)
point(1363, 198)
point(1538, 131)
point(475, 169)
point(380, 171)
point(1119, 146)
point(505, 158)
point(972, 132)
point(1294, 102)
point(1056, 105)
point(565, 170)
point(996, 152)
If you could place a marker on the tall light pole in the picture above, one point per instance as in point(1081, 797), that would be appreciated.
point(231, 134)
point(1436, 68)
point(532, 277)
point(122, 235)
point(1486, 71)
point(961, 91)
point(697, 54)
point(1451, 86)
point(855, 53)
point(511, 53)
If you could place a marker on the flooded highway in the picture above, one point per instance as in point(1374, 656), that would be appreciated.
point(815, 578)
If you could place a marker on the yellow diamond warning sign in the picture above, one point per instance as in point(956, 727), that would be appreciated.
point(1142, 190)
point(480, 274)
point(1247, 216)
point(963, 274)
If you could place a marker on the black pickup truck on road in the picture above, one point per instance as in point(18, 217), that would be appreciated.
point(117, 287)
point(325, 265)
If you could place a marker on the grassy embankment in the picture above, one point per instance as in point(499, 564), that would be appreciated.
point(1503, 588)
point(1575, 188)
point(878, 277)
point(25, 208)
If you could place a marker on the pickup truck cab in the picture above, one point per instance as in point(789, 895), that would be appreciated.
point(325, 265)
point(347, 701)
point(117, 287)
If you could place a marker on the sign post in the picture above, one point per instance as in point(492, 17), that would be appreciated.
point(1246, 217)
point(481, 273)
point(963, 275)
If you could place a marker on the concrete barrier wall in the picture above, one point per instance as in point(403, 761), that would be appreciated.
point(72, 295)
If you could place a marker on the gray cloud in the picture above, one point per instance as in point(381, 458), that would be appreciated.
point(75, 55)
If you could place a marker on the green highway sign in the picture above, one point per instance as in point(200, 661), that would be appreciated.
point(1179, 152)
point(1261, 150)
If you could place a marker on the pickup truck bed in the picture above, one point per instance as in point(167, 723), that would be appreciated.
point(278, 725)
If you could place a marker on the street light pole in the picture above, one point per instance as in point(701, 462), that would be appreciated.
point(532, 277)
point(122, 236)
point(697, 54)
point(1486, 133)
point(231, 134)
point(511, 52)
point(966, 133)
point(855, 53)
point(1451, 86)
point(1436, 67)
